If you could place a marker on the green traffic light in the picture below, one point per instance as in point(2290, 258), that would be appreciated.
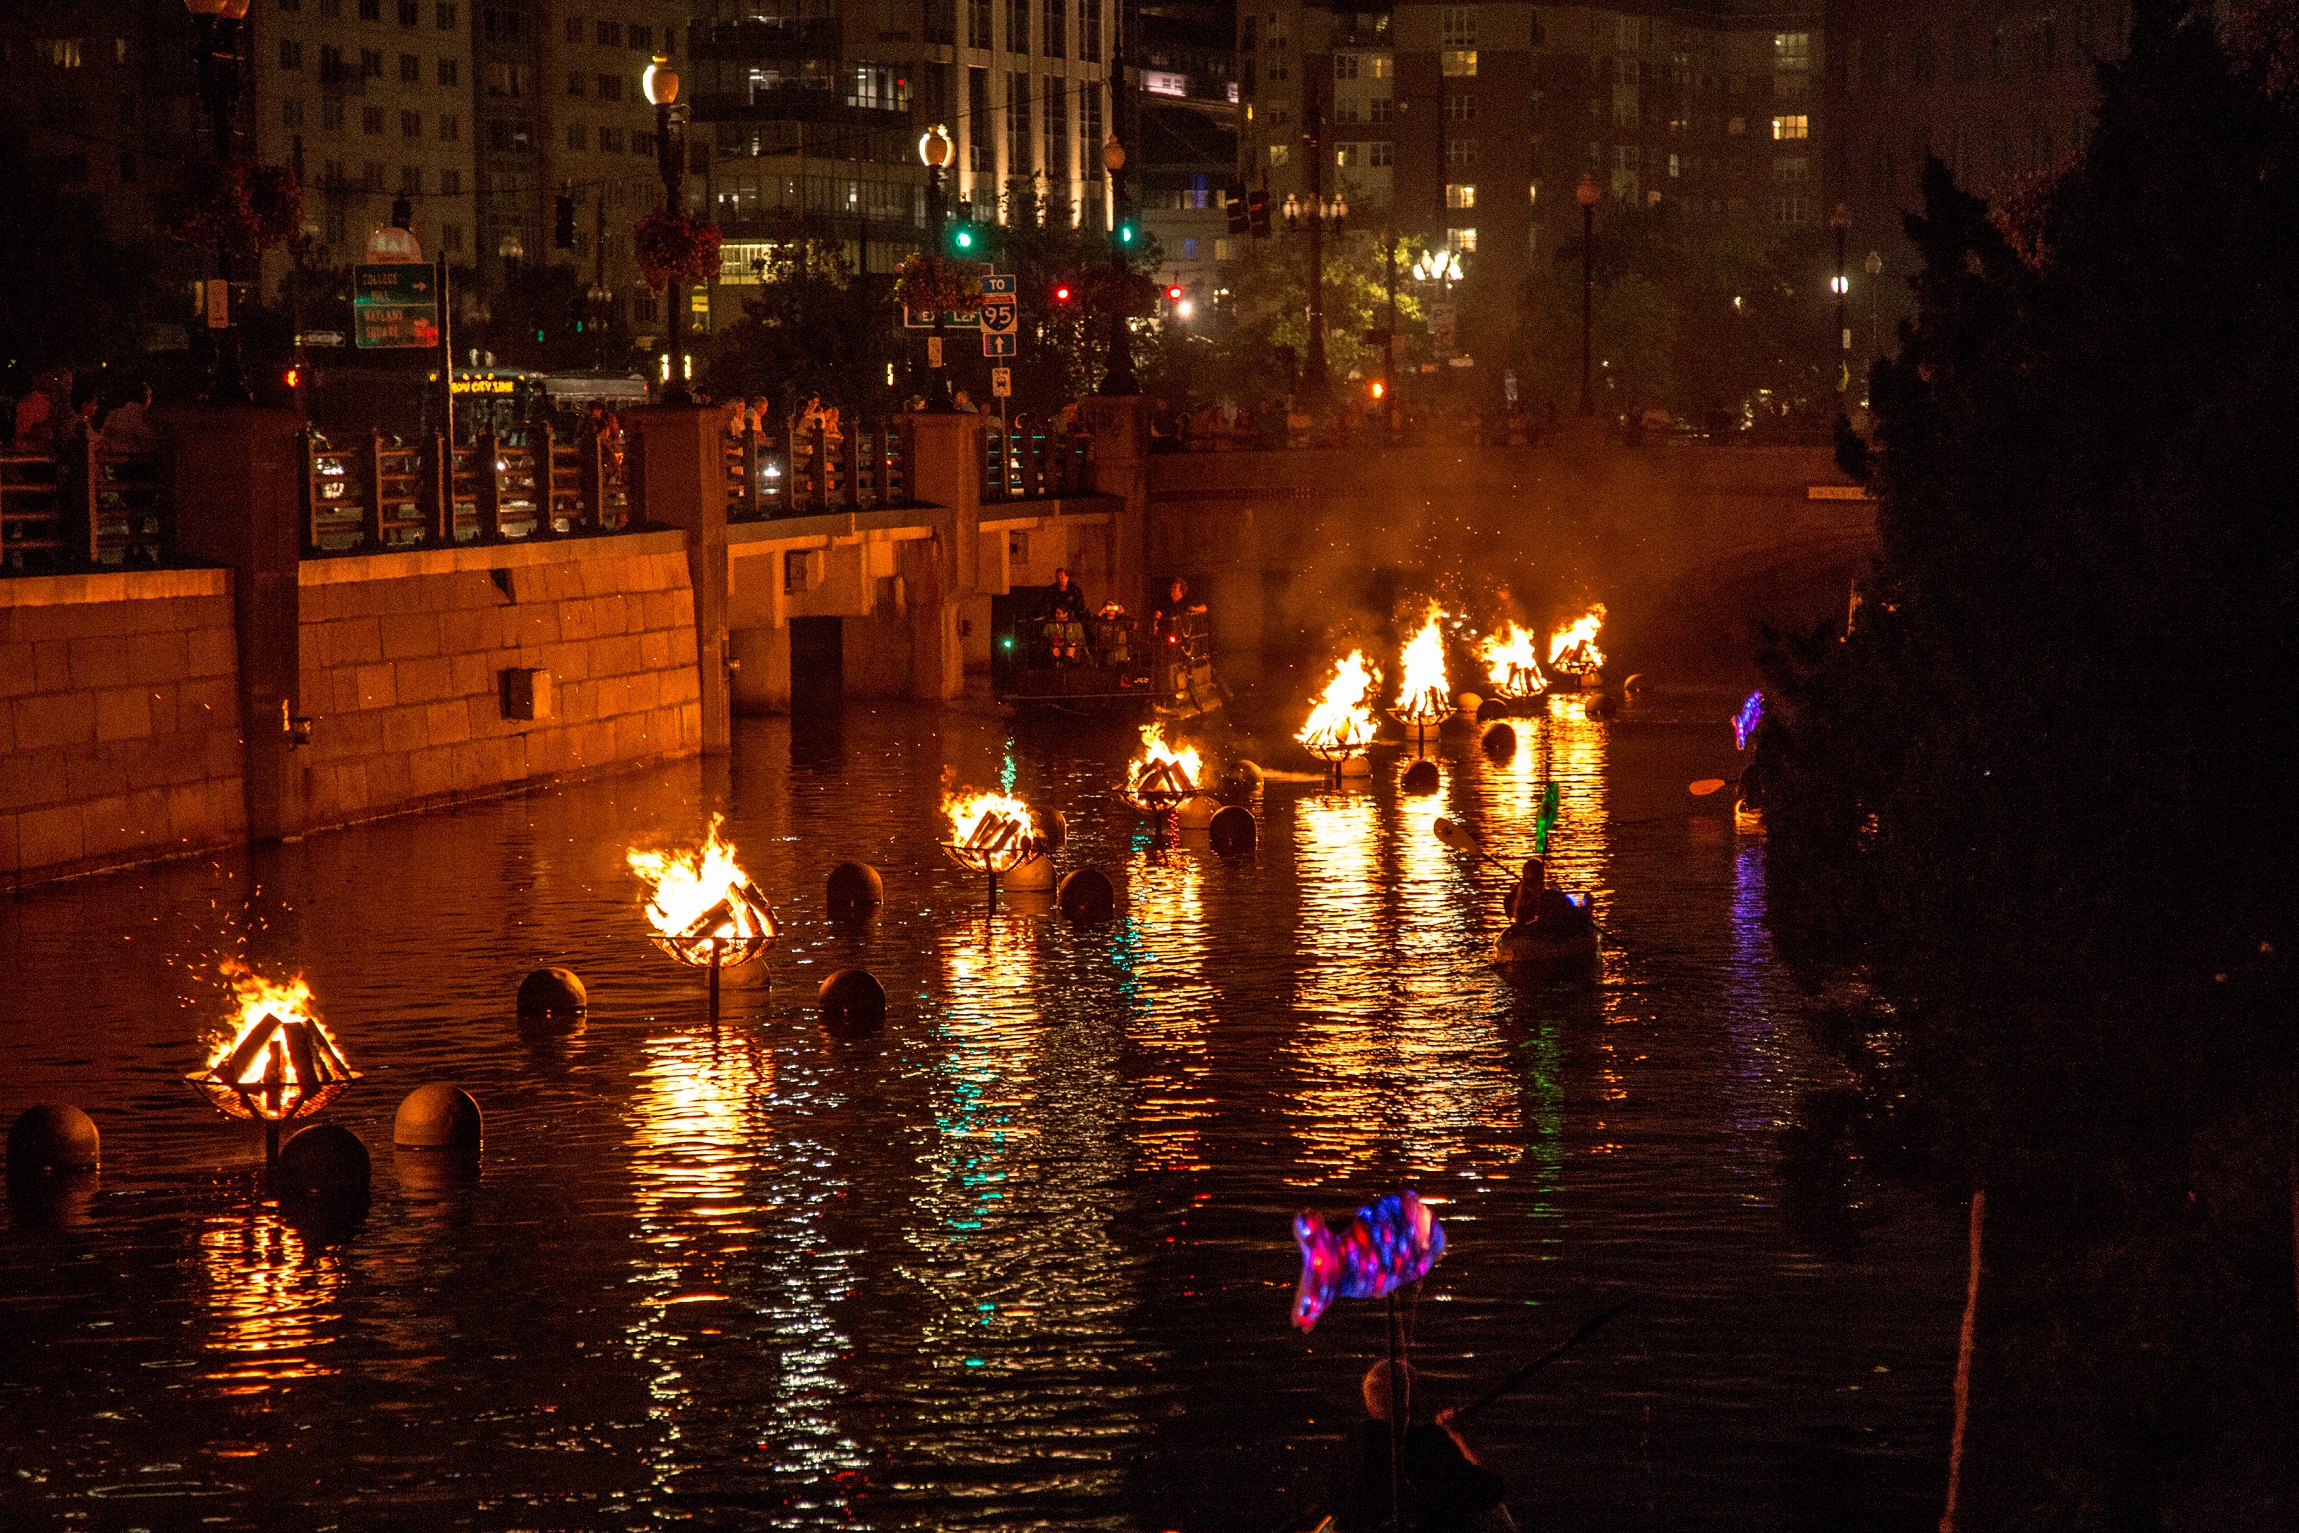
point(965, 239)
point(1125, 234)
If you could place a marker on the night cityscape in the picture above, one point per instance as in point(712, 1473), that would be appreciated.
point(1170, 765)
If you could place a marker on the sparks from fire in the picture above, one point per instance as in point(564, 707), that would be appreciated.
point(1425, 696)
point(1512, 661)
point(1341, 724)
point(278, 1058)
point(1573, 648)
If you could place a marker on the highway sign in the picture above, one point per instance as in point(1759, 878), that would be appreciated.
point(1001, 383)
point(395, 306)
point(999, 284)
point(999, 344)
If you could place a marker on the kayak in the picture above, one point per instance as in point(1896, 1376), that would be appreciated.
point(1747, 818)
point(1546, 951)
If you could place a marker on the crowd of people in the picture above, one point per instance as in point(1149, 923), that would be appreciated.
point(58, 413)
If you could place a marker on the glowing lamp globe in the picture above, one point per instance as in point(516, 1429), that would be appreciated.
point(934, 148)
point(661, 82)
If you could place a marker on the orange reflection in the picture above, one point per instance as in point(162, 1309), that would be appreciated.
point(1172, 1105)
point(273, 1297)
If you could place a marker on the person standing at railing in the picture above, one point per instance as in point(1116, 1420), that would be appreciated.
point(128, 429)
point(39, 414)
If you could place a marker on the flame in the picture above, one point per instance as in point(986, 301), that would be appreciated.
point(1512, 660)
point(1341, 722)
point(1425, 696)
point(1163, 769)
point(257, 1001)
point(702, 894)
point(279, 1061)
point(1573, 648)
point(987, 821)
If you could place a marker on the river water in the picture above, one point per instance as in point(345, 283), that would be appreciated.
point(1022, 1260)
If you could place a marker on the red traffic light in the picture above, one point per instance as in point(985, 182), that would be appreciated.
point(293, 377)
point(1173, 294)
point(1062, 292)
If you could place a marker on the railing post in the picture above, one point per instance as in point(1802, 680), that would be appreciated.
point(435, 489)
point(371, 493)
point(882, 465)
point(543, 466)
point(851, 469)
point(307, 492)
point(779, 443)
point(590, 482)
point(753, 466)
point(487, 484)
point(818, 471)
point(85, 497)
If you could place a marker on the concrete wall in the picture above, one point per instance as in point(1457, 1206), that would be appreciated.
point(119, 720)
point(403, 656)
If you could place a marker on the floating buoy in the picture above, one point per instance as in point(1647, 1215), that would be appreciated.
point(854, 888)
point(1029, 873)
point(324, 1161)
point(1053, 830)
point(437, 1117)
point(552, 1000)
point(1234, 830)
point(1421, 777)
point(1244, 779)
point(1500, 742)
point(851, 1001)
point(1492, 708)
point(1087, 895)
point(1357, 766)
point(50, 1139)
point(1195, 813)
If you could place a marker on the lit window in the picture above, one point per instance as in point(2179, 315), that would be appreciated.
point(1792, 50)
point(1458, 61)
point(1462, 240)
point(1280, 155)
point(1798, 126)
point(1460, 194)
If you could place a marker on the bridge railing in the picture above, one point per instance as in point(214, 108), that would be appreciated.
point(1029, 458)
point(84, 505)
point(381, 493)
point(807, 470)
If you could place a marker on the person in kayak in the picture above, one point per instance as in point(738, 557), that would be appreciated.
point(1445, 1488)
point(1531, 901)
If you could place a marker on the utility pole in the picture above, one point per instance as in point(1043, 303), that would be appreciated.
point(1840, 220)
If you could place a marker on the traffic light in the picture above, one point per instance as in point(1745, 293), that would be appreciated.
point(964, 239)
point(563, 223)
point(1173, 293)
point(1257, 215)
point(1128, 231)
point(1064, 292)
point(1233, 199)
point(293, 377)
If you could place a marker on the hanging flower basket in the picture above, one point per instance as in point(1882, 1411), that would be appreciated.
point(245, 208)
point(673, 247)
point(927, 283)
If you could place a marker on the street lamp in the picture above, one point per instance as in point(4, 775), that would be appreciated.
point(1874, 267)
point(936, 151)
point(1119, 379)
point(1587, 196)
point(219, 83)
point(1840, 220)
point(662, 88)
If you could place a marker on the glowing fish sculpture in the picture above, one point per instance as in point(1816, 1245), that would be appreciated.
point(1389, 1244)
point(1745, 721)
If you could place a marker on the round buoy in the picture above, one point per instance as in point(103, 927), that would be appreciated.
point(1634, 686)
point(552, 994)
point(1031, 873)
point(1468, 702)
point(1500, 742)
point(1421, 777)
point(1600, 705)
point(437, 1117)
point(50, 1138)
point(1357, 766)
point(1053, 830)
point(1088, 895)
point(1244, 778)
point(1492, 708)
point(1234, 830)
point(854, 887)
point(325, 1160)
point(1195, 813)
point(852, 1000)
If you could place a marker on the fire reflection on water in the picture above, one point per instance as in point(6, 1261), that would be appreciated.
point(1164, 946)
point(273, 1298)
point(733, 1240)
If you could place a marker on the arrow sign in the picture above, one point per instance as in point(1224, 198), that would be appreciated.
point(392, 306)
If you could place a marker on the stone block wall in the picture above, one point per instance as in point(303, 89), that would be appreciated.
point(119, 720)
point(403, 655)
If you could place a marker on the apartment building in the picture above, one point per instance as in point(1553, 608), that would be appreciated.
point(1471, 125)
point(814, 111)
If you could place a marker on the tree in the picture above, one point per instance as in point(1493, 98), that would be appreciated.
point(812, 327)
point(76, 296)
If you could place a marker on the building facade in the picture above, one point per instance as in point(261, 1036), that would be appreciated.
point(1471, 125)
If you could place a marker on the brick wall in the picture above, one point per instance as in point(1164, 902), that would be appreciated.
point(402, 656)
point(119, 720)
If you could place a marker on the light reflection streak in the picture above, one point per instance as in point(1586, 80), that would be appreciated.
point(729, 1211)
point(274, 1299)
point(1173, 1008)
point(1760, 1095)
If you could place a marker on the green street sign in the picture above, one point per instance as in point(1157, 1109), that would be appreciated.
point(395, 306)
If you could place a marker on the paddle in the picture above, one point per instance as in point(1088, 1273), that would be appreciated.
point(1550, 799)
point(1512, 1381)
point(1708, 785)
point(1461, 841)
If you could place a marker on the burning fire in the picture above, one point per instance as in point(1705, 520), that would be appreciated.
point(1512, 660)
point(1162, 771)
point(1341, 724)
point(989, 831)
point(1573, 648)
point(701, 901)
point(1425, 696)
point(278, 1061)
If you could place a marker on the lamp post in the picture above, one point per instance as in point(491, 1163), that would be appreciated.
point(662, 87)
point(1314, 213)
point(1119, 378)
point(1840, 220)
point(1443, 267)
point(219, 83)
point(1587, 195)
point(1874, 267)
point(935, 151)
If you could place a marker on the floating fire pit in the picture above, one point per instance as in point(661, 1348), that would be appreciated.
point(1425, 696)
point(990, 834)
point(1573, 650)
point(279, 1064)
point(1162, 779)
point(1512, 661)
point(703, 908)
point(1340, 727)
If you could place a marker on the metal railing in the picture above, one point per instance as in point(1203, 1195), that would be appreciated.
point(782, 472)
point(1025, 460)
point(381, 493)
point(82, 507)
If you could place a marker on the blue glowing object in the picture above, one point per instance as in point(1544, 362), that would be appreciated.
point(1745, 721)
